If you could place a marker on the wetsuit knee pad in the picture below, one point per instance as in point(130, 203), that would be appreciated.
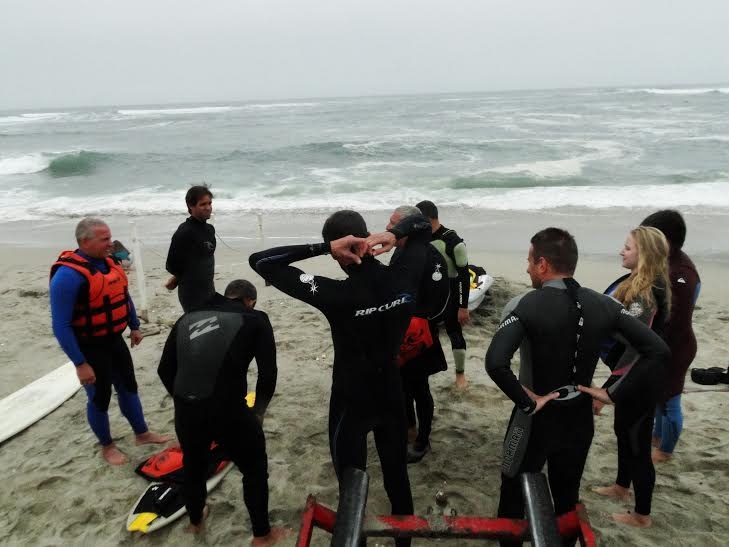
point(100, 396)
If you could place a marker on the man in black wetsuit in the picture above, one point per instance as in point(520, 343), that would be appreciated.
point(368, 313)
point(451, 246)
point(421, 353)
point(204, 366)
point(559, 329)
point(191, 257)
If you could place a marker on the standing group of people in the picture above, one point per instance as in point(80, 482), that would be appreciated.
point(384, 322)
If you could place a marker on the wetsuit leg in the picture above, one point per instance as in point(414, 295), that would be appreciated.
point(409, 398)
point(391, 443)
point(131, 407)
point(567, 458)
point(195, 435)
point(98, 419)
point(125, 384)
point(98, 355)
point(425, 408)
point(242, 437)
point(671, 425)
point(634, 424)
point(453, 327)
point(348, 439)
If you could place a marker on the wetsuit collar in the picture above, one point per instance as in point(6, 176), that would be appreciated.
point(557, 283)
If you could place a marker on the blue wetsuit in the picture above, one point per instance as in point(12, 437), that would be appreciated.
point(108, 355)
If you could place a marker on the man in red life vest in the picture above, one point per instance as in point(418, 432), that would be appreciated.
point(90, 309)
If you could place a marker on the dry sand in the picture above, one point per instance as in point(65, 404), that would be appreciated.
point(58, 490)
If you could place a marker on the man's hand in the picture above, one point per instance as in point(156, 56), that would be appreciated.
point(85, 374)
point(541, 400)
point(464, 316)
point(348, 250)
point(597, 393)
point(136, 337)
point(171, 283)
point(381, 243)
point(597, 407)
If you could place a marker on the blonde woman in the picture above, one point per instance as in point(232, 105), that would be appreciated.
point(646, 294)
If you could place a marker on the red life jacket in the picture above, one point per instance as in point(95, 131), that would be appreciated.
point(103, 310)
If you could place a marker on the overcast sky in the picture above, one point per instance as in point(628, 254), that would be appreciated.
point(88, 52)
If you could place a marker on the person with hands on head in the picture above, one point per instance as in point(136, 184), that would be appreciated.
point(368, 313)
point(90, 309)
point(558, 329)
point(204, 366)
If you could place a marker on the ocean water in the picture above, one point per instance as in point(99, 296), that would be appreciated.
point(596, 148)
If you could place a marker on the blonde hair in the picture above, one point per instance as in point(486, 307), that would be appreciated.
point(651, 271)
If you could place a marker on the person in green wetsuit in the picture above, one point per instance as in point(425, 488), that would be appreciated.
point(453, 249)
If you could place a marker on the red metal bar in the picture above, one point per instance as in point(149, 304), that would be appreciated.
point(571, 525)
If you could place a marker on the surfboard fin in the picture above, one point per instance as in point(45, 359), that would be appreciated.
point(142, 522)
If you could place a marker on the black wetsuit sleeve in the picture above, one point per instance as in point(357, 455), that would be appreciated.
point(177, 253)
point(414, 226)
point(464, 286)
point(647, 373)
point(506, 341)
point(167, 369)
point(266, 362)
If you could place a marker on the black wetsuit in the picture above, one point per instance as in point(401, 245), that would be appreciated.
point(459, 286)
point(368, 313)
point(432, 302)
point(204, 366)
point(191, 259)
point(544, 325)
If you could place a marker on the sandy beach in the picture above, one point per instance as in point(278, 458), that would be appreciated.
point(59, 491)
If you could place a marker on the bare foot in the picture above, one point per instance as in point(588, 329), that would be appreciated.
point(113, 455)
point(152, 438)
point(659, 456)
point(633, 519)
point(655, 441)
point(412, 434)
point(273, 537)
point(613, 491)
point(200, 526)
point(461, 380)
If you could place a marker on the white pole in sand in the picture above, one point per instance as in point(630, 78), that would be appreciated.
point(139, 268)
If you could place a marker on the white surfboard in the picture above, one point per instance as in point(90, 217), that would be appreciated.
point(36, 400)
point(478, 293)
point(162, 503)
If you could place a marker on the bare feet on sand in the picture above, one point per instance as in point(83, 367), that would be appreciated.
point(200, 526)
point(659, 456)
point(633, 519)
point(273, 537)
point(113, 455)
point(613, 491)
point(461, 380)
point(152, 438)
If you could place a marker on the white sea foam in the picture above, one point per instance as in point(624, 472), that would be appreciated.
point(708, 196)
point(279, 105)
point(32, 117)
point(566, 167)
point(143, 112)
point(680, 91)
point(24, 165)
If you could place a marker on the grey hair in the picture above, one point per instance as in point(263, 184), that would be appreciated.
point(405, 211)
point(85, 228)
